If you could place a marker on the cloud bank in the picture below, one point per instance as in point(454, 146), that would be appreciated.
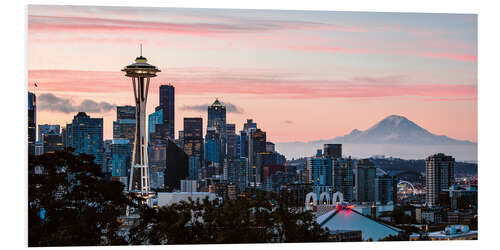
point(230, 108)
point(51, 102)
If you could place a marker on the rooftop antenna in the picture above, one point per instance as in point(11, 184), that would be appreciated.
point(141, 49)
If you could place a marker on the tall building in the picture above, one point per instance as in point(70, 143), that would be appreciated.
point(167, 104)
point(48, 129)
point(333, 150)
point(50, 138)
point(157, 141)
point(87, 136)
point(155, 119)
point(124, 126)
point(270, 147)
point(365, 173)
point(385, 189)
point(193, 137)
point(108, 166)
point(67, 136)
point(121, 157)
point(256, 144)
point(194, 167)
point(125, 112)
point(242, 147)
point(270, 160)
point(249, 125)
point(213, 148)
point(439, 175)
point(240, 166)
point(217, 120)
point(343, 177)
point(177, 166)
point(319, 171)
point(51, 143)
point(231, 139)
point(31, 123)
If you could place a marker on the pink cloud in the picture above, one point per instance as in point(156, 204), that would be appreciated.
point(267, 85)
point(39, 23)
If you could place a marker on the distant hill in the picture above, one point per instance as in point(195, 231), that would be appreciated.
point(396, 129)
point(394, 136)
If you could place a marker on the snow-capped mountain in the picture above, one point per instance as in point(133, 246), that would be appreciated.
point(396, 129)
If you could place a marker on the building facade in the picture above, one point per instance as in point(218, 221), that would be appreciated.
point(343, 177)
point(439, 175)
point(87, 136)
point(31, 123)
point(365, 173)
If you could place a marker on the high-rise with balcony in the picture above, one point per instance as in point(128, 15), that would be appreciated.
point(439, 175)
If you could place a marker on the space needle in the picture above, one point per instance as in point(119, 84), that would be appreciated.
point(141, 72)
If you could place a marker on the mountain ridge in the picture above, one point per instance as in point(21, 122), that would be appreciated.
point(394, 129)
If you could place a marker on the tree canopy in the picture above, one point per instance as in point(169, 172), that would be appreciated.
point(70, 203)
point(249, 219)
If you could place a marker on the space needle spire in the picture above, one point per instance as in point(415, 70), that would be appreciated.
point(141, 72)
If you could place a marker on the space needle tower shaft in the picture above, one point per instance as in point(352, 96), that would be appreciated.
point(141, 72)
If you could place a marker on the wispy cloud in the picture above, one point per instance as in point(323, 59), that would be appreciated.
point(51, 102)
point(231, 108)
point(104, 25)
point(266, 84)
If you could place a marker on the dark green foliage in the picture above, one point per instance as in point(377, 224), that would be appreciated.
point(81, 207)
point(251, 219)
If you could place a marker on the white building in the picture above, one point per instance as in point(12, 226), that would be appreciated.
point(349, 219)
point(166, 199)
point(189, 186)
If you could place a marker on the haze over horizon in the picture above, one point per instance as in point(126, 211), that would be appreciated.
point(301, 75)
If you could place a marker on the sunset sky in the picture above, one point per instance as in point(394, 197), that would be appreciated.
point(301, 75)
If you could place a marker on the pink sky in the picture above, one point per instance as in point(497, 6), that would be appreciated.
point(300, 75)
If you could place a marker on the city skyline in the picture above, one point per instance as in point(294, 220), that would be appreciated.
point(334, 61)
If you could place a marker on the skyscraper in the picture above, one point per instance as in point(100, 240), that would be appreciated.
point(365, 173)
point(67, 136)
point(439, 175)
point(167, 104)
point(177, 166)
point(256, 144)
point(87, 136)
point(217, 120)
point(31, 123)
point(333, 150)
point(385, 189)
point(51, 142)
point(240, 166)
point(157, 141)
point(212, 147)
point(319, 171)
point(124, 126)
point(194, 167)
point(121, 157)
point(46, 129)
point(154, 120)
point(193, 137)
point(125, 112)
point(249, 125)
point(231, 139)
point(343, 177)
point(242, 148)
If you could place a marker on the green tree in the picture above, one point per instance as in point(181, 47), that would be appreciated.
point(79, 207)
point(255, 218)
